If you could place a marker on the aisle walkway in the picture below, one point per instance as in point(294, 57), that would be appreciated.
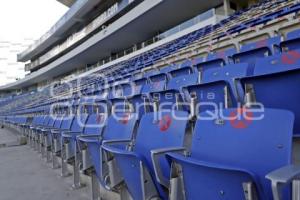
point(24, 175)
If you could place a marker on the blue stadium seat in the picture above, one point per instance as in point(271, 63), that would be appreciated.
point(68, 139)
point(274, 84)
point(55, 135)
point(292, 41)
point(209, 63)
point(153, 133)
point(250, 52)
point(218, 87)
point(225, 55)
point(119, 126)
point(224, 159)
point(174, 94)
point(181, 71)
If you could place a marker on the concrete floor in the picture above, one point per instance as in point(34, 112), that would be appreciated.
point(25, 176)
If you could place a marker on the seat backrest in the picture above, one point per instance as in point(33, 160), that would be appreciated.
point(266, 43)
point(138, 85)
point(251, 52)
point(95, 124)
point(158, 83)
point(46, 120)
point(292, 41)
point(41, 120)
point(276, 89)
point(79, 122)
point(209, 64)
point(186, 63)
point(242, 139)
point(293, 35)
point(168, 68)
point(223, 54)
point(278, 63)
point(181, 71)
point(51, 121)
point(67, 122)
point(211, 93)
point(151, 73)
point(35, 120)
point(182, 81)
point(58, 122)
point(196, 61)
point(164, 129)
point(120, 126)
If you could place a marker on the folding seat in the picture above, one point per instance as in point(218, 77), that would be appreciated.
point(48, 122)
point(68, 139)
point(292, 41)
point(153, 72)
point(24, 125)
point(250, 52)
point(223, 55)
point(181, 71)
point(168, 68)
point(186, 63)
point(55, 135)
point(208, 64)
point(140, 89)
point(159, 130)
point(196, 61)
point(228, 161)
point(156, 83)
point(54, 123)
point(217, 88)
point(275, 84)
point(94, 126)
point(173, 95)
point(36, 124)
point(118, 126)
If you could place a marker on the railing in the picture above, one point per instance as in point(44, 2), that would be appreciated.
point(76, 37)
point(83, 33)
point(185, 25)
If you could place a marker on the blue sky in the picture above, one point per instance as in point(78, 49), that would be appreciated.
point(23, 22)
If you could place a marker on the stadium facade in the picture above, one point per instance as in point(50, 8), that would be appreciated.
point(166, 99)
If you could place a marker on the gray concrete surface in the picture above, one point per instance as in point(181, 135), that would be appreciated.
point(7, 136)
point(25, 176)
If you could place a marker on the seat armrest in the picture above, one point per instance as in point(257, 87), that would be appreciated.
point(155, 155)
point(88, 136)
point(281, 177)
point(113, 142)
point(71, 132)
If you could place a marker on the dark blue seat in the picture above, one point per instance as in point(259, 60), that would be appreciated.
point(292, 41)
point(174, 94)
point(141, 100)
point(181, 71)
point(250, 52)
point(225, 55)
point(218, 87)
point(275, 84)
point(168, 68)
point(209, 63)
point(156, 131)
point(224, 157)
point(119, 126)
point(55, 134)
point(68, 138)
